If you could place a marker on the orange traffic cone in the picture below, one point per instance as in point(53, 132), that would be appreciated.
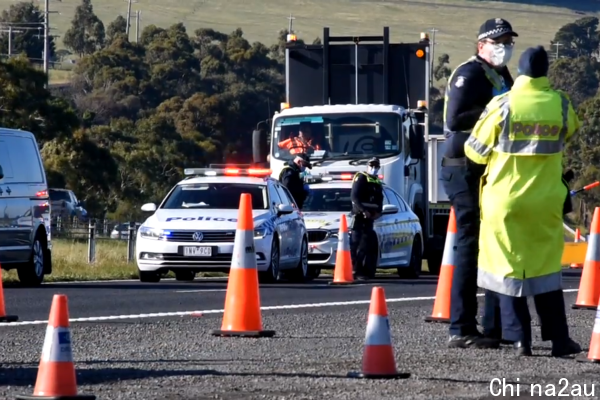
point(577, 240)
point(441, 306)
point(3, 316)
point(378, 355)
point(589, 283)
point(342, 275)
point(56, 373)
point(242, 316)
point(593, 354)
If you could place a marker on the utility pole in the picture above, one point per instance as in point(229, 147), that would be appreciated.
point(138, 13)
point(557, 44)
point(10, 32)
point(291, 19)
point(46, 33)
point(129, 3)
point(431, 61)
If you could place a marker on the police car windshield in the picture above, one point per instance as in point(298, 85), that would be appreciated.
point(337, 136)
point(210, 196)
point(328, 199)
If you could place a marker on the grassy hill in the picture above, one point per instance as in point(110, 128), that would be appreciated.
point(457, 20)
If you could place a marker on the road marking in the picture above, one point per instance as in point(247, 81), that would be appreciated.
point(200, 290)
point(202, 312)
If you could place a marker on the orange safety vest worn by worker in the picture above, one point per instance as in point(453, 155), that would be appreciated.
point(297, 145)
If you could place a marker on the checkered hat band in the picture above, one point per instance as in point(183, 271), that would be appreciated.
point(493, 32)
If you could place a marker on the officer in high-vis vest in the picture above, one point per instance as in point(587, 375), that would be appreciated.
point(470, 87)
point(520, 140)
point(291, 177)
point(367, 204)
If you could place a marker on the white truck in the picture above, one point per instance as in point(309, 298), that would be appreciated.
point(364, 100)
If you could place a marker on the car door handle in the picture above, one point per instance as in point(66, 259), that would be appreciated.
point(8, 190)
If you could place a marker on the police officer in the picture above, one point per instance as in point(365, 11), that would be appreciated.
point(291, 177)
point(521, 137)
point(367, 204)
point(470, 87)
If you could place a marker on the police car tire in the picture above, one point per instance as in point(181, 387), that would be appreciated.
point(149, 276)
point(268, 276)
point(298, 274)
point(185, 275)
point(413, 271)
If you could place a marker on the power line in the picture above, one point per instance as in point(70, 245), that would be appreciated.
point(129, 3)
point(557, 44)
point(431, 61)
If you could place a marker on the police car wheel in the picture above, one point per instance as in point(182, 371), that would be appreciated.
point(413, 270)
point(300, 273)
point(272, 273)
point(185, 275)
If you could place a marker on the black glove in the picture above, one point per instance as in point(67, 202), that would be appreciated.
point(568, 204)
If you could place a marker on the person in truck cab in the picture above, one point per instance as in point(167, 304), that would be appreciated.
point(470, 88)
point(290, 177)
point(303, 143)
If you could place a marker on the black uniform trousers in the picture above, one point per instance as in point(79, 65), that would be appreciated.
point(550, 307)
point(462, 187)
point(363, 247)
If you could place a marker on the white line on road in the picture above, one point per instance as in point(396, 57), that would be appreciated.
point(202, 312)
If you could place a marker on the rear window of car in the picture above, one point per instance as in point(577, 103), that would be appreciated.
point(224, 196)
point(56, 195)
point(328, 199)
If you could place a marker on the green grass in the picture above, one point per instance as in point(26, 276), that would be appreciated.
point(457, 20)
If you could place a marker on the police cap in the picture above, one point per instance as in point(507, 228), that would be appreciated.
point(374, 162)
point(494, 28)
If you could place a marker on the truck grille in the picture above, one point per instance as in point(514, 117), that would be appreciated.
point(207, 236)
point(317, 235)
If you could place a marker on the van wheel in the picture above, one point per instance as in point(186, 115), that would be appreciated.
point(272, 274)
point(413, 271)
point(149, 276)
point(32, 273)
point(185, 275)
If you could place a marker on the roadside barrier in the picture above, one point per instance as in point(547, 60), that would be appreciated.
point(342, 274)
point(56, 377)
point(441, 306)
point(242, 316)
point(378, 356)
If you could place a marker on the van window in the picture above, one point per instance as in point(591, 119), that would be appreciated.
point(5, 162)
point(21, 151)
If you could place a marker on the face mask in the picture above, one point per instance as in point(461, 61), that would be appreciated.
point(372, 171)
point(500, 54)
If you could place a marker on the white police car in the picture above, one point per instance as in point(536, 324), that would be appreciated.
point(194, 227)
point(399, 232)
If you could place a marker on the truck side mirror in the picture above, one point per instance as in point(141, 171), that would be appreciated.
point(417, 142)
point(260, 148)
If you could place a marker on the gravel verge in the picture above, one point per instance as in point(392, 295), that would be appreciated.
point(308, 359)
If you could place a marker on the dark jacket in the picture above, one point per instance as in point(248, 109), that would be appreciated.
point(470, 92)
point(290, 178)
point(366, 190)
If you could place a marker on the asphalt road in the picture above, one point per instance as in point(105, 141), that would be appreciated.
point(147, 355)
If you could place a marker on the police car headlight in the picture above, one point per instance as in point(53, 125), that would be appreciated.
point(333, 233)
point(260, 233)
point(151, 233)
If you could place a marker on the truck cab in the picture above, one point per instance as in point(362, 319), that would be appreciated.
point(352, 98)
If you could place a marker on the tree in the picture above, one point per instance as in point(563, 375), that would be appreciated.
point(86, 34)
point(579, 38)
point(441, 73)
point(28, 19)
point(116, 27)
point(576, 76)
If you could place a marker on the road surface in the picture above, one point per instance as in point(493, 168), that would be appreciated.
point(142, 341)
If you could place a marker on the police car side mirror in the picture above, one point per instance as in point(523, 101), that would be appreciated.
point(283, 209)
point(1, 172)
point(389, 209)
point(150, 207)
point(416, 142)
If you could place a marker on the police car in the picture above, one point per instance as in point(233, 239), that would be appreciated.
point(399, 232)
point(193, 229)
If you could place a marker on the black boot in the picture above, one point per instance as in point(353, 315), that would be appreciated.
point(476, 341)
point(523, 348)
point(565, 347)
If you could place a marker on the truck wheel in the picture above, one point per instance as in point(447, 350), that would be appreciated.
point(149, 276)
point(413, 271)
point(32, 273)
point(185, 275)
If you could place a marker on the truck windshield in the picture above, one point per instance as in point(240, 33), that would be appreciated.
point(337, 136)
point(328, 200)
point(211, 196)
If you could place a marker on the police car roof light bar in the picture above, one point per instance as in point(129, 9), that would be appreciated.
point(344, 176)
point(254, 172)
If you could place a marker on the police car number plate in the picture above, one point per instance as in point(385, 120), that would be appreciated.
point(197, 251)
